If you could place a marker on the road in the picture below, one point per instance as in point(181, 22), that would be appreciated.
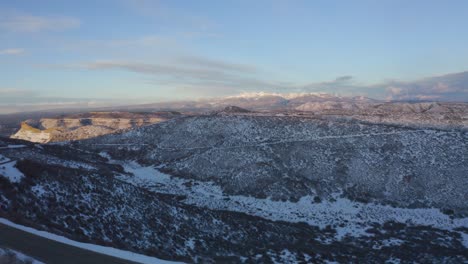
point(49, 251)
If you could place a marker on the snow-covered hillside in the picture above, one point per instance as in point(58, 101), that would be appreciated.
point(349, 218)
point(238, 186)
point(286, 158)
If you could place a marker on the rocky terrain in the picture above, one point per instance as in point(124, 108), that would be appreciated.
point(86, 125)
point(256, 187)
point(11, 123)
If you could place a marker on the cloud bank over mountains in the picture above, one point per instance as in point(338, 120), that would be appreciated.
point(449, 87)
point(205, 77)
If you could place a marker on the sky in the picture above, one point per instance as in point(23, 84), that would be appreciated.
point(139, 51)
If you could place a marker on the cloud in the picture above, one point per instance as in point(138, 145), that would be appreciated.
point(16, 22)
point(449, 87)
point(175, 71)
point(46, 106)
point(13, 92)
point(195, 75)
point(140, 42)
point(192, 73)
point(201, 76)
point(23, 100)
point(216, 64)
point(207, 77)
point(345, 78)
point(11, 51)
point(343, 85)
point(184, 23)
point(10, 95)
point(134, 48)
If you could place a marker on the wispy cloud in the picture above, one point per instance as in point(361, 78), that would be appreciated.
point(135, 48)
point(198, 74)
point(187, 24)
point(201, 76)
point(175, 71)
point(15, 51)
point(14, 95)
point(195, 74)
point(216, 64)
point(139, 42)
point(23, 100)
point(344, 78)
point(208, 77)
point(18, 22)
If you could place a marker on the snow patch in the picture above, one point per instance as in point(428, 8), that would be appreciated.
point(38, 190)
point(464, 237)
point(9, 171)
point(347, 217)
point(105, 155)
point(190, 243)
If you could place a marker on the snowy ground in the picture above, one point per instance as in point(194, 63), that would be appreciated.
point(347, 217)
point(96, 248)
point(7, 166)
point(8, 169)
point(18, 255)
point(465, 239)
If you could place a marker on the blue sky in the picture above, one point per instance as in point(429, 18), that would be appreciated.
point(142, 51)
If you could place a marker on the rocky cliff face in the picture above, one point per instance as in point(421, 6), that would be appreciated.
point(82, 126)
point(32, 134)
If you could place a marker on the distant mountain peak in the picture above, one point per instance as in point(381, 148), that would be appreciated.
point(251, 95)
point(235, 109)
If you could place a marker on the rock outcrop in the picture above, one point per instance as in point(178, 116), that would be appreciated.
point(87, 125)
